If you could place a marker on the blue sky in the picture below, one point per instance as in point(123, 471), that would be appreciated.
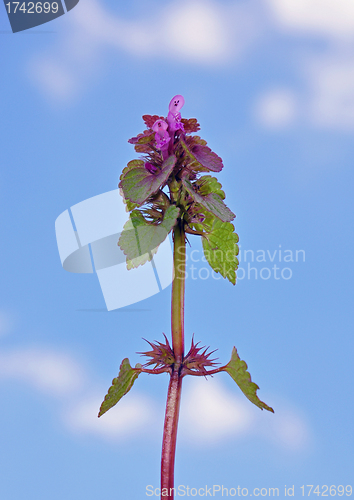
point(271, 83)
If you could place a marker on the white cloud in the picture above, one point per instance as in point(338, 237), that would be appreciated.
point(210, 414)
point(276, 108)
point(331, 83)
point(334, 18)
point(198, 32)
point(327, 100)
point(327, 96)
point(45, 370)
point(291, 431)
point(129, 416)
point(193, 30)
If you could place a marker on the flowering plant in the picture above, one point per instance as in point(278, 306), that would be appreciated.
point(170, 190)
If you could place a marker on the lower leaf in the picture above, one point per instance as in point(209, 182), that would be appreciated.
point(237, 369)
point(221, 250)
point(120, 385)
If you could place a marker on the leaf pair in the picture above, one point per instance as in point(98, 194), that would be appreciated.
point(236, 368)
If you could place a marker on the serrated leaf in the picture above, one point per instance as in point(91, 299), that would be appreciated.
point(146, 136)
point(203, 157)
point(120, 385)
point(220, 246)
point(149, 120)
point(193, 140)
point(212, 202)
point(140, 239)
point(208, 184)
point(237, 369)
point(190, 125)
point(138, 184)
point(129, 206)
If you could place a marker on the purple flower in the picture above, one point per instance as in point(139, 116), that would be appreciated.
point(159, 126)
point(176, 104)
point(162, 137)
point(174, 115)
point(152, 169)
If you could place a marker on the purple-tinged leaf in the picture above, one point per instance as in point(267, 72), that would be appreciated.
point(237, 369)
point(193, 140)
point(190, 125)
point(203, 158)
point(149, 120)
point(206, 157)
point(132, 164)
point(212, 203)
point(144, 138)
point(138, 184)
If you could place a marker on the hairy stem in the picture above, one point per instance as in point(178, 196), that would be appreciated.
point(175, 385)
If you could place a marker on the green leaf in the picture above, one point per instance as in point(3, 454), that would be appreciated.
point(220, 246)
point(138, 184)
point(120, 385)
point(140, 239)
point(212, 202)
point(208, 184)
point(237, 369)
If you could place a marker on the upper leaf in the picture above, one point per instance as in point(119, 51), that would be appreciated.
point(212, 202)
point(220, 246)
point(120, 385)
point(149, 120)
point(203, 156)
point(237, 369)
point(145, 137)
point(140, 239)
point(138, 184)
point(190, 125)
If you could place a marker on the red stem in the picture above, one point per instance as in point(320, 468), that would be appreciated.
point(175, 385)
point(170, 435)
